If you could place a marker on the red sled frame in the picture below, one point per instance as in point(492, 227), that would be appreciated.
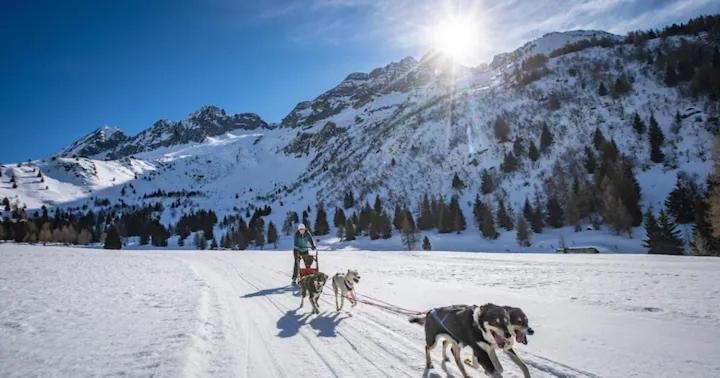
point(308, 271)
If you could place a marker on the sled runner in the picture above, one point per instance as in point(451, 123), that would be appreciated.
point(308, 271)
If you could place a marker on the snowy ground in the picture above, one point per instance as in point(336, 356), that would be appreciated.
point(79, 312)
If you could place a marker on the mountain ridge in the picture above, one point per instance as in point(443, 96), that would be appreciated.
point(406, 129)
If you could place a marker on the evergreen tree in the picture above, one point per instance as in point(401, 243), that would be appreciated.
point(385, 226)
point(590, 162)
point(457, 183)
point(503, 217)
point(272, 235)
point(291, 219)
point(339, 218)
point(546, 138)
point(656, 141)
point(614, 211)
point(409, 234)
point(321, 223)
point(213, 244)
point(112, 239)
point(457, 218)
point(602, 91)
point(652, 230)
point(486, 222)
point(426, 246)
point(663, 237)
point(349, 230)
point(425, 220)
point(523, 234)
point(537, 219)
point(375, 227)
point(486, 186)
point(444, 220)
point(599, 140)
point(554, 213)
point(621, 86)
point(533, 152)
point(378, 207)
point(502, 129)
point(638, 124)
point(572, 208)
point(509, 164)
point(159, 234)
point(260, 238)
point(528, 210)
point(398, 217)
point(349, 200)
point(144, 236)
point(704, 243)
point(680, 203)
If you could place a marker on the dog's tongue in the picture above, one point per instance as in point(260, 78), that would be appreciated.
point(499, 340)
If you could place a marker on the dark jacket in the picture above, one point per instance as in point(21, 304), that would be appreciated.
point(303, 242)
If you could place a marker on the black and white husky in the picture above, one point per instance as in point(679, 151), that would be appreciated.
point(344, 286)
point(312, 286)
point(519, 329)
point(482, 328)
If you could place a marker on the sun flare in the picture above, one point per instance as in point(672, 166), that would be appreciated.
point(455, 37)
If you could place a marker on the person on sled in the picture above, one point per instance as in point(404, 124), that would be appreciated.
point(303, 242)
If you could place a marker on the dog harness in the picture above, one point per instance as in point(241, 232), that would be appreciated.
point(440, 321)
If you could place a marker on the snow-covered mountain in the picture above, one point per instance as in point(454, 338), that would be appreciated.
point(400, 131)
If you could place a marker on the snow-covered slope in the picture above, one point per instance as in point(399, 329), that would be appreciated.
point(399, 131)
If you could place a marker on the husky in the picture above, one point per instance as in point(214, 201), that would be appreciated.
point(482, 328)
point(312, 287)
point(519, 329)
point(344, 286)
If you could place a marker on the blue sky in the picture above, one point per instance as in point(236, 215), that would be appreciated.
point(68, 67)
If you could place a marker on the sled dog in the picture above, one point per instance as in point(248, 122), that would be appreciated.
point(482, 328)
point(519, 329)
point(312, 287)
point(344, 287)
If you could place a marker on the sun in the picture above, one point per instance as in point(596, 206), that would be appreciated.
point(456, 37)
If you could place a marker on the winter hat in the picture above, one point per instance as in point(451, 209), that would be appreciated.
point(301, 226)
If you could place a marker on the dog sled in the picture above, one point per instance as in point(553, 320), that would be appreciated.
point(311, 270)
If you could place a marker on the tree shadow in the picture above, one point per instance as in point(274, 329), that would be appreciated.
point(273, 291)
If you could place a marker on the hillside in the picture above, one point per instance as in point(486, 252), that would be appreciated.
point(405, 130)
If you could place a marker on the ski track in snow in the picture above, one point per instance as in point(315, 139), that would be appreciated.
point(84, 312)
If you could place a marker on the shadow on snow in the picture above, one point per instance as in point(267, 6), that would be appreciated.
point(324, 323)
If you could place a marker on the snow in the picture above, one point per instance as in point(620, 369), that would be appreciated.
point(78, 312)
